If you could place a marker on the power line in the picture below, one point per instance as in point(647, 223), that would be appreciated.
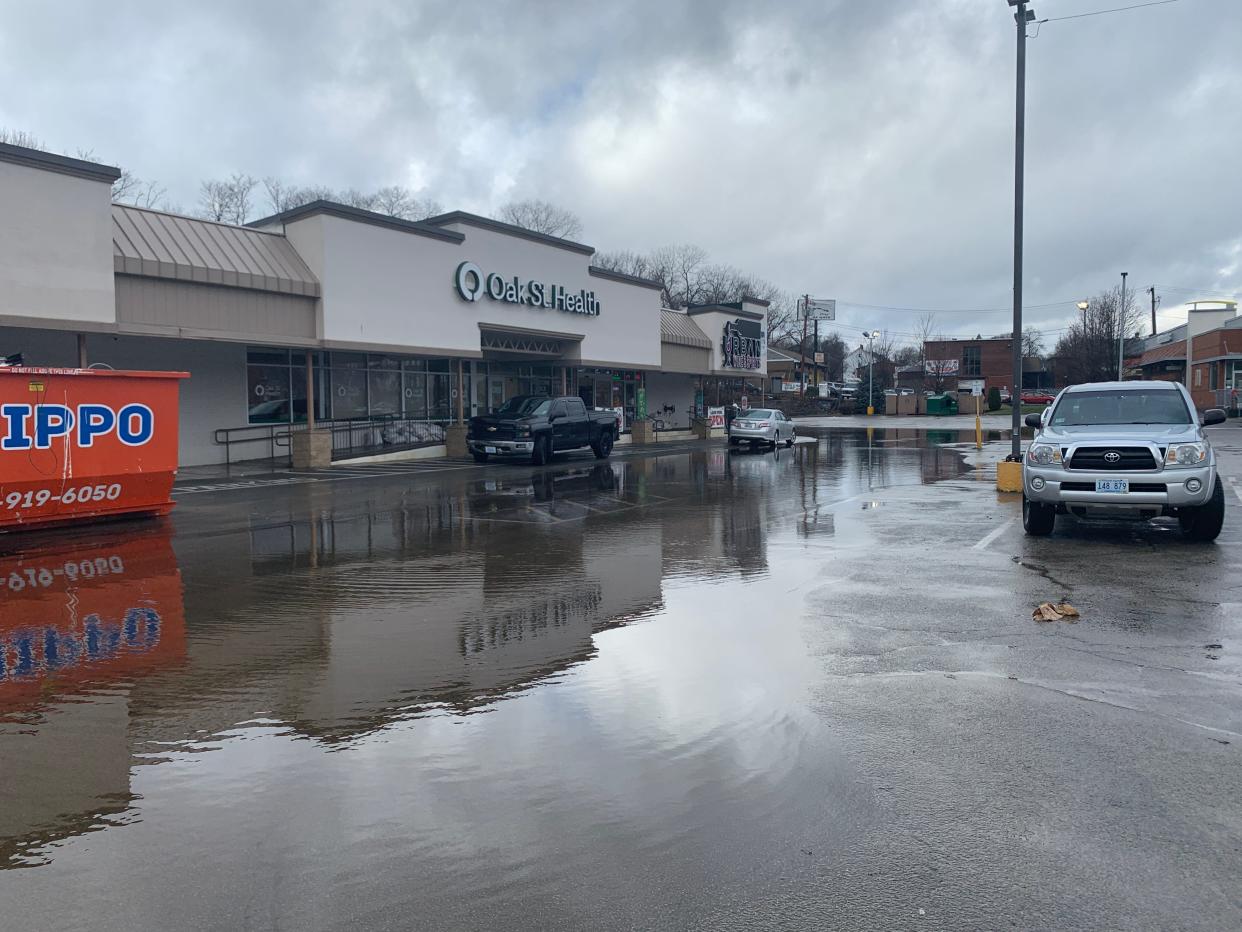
point(1119, 9)
point(953, 310)
point(1217, 291)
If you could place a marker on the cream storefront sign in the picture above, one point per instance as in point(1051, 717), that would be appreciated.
point(473, 285)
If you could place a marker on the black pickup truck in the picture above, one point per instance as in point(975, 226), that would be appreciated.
point(537, 426)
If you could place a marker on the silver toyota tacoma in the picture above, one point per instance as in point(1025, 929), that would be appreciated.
point(1123, 449)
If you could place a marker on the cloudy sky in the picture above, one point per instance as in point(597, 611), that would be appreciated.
point(850, 149)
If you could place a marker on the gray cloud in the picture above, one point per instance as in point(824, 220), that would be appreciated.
point(856, 150)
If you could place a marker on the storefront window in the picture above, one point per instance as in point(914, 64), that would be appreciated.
point(415, 392)
point(385, 393)
point(297, 374)
point(439, 396)
point(267, 394)
point(349, 385)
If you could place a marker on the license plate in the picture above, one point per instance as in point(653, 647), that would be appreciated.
point(1117, 486)
point(493, 450)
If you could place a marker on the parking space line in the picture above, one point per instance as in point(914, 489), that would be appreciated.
point(992, 535)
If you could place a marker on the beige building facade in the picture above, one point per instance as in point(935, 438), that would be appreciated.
point(407, 327)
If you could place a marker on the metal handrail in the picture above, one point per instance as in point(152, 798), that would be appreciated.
point(350, 436)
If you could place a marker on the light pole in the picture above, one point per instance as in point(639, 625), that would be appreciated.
point(1022, 15)
point(1121, 326)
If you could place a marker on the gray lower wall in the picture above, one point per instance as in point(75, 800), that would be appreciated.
point(214, 396)
point(674, 389)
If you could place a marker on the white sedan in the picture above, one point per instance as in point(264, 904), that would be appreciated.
point(766, 426)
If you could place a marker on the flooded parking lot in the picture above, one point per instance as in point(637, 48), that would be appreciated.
point(678, 689)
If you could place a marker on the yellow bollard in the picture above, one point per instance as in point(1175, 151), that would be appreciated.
point(1008, 477)
point(978, 426)
point(870, 410)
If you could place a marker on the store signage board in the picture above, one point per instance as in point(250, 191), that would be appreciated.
point(715, 417)
point(742, 345)
point(820, 309)
point(473, 285)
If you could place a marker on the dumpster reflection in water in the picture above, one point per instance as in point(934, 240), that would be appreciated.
point(78, 617)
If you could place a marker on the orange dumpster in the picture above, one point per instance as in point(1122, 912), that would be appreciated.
point(77, 444)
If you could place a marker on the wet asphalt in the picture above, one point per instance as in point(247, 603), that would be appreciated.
point(681, 689)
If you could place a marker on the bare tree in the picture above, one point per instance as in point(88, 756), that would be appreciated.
point(227, 200)
point(355, 198)
point(1032, 340)
point(393, 200)
point(19, 137)
point(542, 217)
point(1087, 351)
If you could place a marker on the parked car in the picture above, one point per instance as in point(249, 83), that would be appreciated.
point(1123, 449)
point(537, 426)
point(756, 426)
point(1037, 397)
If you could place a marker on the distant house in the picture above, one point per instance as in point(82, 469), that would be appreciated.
point(854, 368)
point(786, 367)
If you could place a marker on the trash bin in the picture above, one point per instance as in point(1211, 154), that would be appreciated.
point(941, 405)
point(78, 444)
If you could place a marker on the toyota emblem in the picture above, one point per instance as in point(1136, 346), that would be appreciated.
point(1112, 456)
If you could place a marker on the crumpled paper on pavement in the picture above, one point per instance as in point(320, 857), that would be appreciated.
point(1061, 611)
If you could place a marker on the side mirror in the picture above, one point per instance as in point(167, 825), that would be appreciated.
point(1214, 416)
point(1035, 420)
point(555, 416)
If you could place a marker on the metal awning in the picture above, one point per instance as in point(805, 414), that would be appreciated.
point(154, 244)
point(499, 342)
point(680, 330)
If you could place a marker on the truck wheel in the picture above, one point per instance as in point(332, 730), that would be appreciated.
point(1037, 520)
point(602, 447)
point(478, 457)
point(1203, 523)
point(542, 451)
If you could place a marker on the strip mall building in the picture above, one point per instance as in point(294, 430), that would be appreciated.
point(407, 327)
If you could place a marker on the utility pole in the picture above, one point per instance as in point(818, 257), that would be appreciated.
point(1154, 302)
point(1021, 16)
point(806, 309)
point(815, 356)
point(1121, 326)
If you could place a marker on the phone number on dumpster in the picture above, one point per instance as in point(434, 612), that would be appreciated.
point(37, 498)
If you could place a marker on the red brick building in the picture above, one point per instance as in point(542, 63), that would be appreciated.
point(949, 361)
point(1216, 365)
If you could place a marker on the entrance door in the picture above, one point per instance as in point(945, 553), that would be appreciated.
point(495, 392)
